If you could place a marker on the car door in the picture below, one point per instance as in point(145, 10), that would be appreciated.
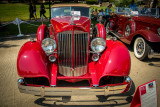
point(121, 24)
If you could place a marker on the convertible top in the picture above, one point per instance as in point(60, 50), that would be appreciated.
point(68, 5)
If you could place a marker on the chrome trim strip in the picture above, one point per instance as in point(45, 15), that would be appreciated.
point(117, 34)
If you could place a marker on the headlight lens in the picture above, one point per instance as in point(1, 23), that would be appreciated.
point(158, 30)
point(48, 45)
point(98, 44)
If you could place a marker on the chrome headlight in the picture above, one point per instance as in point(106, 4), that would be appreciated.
point(98, 44)
point(48, 45)
point(158, 30)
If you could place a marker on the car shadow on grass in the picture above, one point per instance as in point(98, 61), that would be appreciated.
point(124, 98)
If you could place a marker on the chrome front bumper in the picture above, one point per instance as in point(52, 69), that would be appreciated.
point(69, 91)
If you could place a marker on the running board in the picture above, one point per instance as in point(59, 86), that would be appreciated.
point(116, 34)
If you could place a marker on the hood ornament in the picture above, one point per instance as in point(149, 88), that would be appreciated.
point(75, 15)
point(72, 20)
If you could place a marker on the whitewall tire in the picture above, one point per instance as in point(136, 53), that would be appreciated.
point(141, 48)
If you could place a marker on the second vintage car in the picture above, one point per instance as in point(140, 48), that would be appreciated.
point(140, 27)
point(65, 60)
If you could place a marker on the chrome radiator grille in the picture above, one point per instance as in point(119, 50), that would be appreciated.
point(72, 53)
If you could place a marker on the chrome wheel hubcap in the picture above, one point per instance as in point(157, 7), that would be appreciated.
point(140, 47)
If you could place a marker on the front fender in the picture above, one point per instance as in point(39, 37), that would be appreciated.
point(115, 61)
point(101, 32)
point(148, 35)
point(32, 61)
point(42, 32)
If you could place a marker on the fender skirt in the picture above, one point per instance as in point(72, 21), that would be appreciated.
point(32, 61)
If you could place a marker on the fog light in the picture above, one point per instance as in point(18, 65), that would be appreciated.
point(52, 58)
point(20, 81)
point(128, 79)
point(95, 57)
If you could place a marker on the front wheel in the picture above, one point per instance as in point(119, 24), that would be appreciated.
point(141, 48)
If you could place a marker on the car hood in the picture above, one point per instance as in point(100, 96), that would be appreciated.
point(65, 23)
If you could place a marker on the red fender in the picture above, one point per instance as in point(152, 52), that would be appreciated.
point(101, 32)
point(148, 35)
point(32, 62)
point(42, 32)
point(115, 60)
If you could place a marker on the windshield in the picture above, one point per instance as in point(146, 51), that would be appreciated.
point(138, 11)
point(66, 11)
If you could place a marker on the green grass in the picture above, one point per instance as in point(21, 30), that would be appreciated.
point(98, 8)
point(12, 29)
point(11, 11)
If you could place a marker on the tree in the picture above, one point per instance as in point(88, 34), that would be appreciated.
point(155, 2)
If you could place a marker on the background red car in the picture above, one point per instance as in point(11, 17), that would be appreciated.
point(140, 27)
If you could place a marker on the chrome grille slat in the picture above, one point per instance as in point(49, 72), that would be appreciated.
point(65, 57)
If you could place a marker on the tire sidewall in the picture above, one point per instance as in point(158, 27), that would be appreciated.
point(146, 49)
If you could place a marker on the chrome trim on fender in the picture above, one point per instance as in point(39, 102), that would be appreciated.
point(69, 91)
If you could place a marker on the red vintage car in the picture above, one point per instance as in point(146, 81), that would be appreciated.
point(65, 60)
point(140, 27)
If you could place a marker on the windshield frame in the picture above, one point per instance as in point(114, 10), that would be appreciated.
point(69, 9)
point(138, 10)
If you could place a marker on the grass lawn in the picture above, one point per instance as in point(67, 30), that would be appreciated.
point(98, 8)
point(12, 29)
point(9, 12)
